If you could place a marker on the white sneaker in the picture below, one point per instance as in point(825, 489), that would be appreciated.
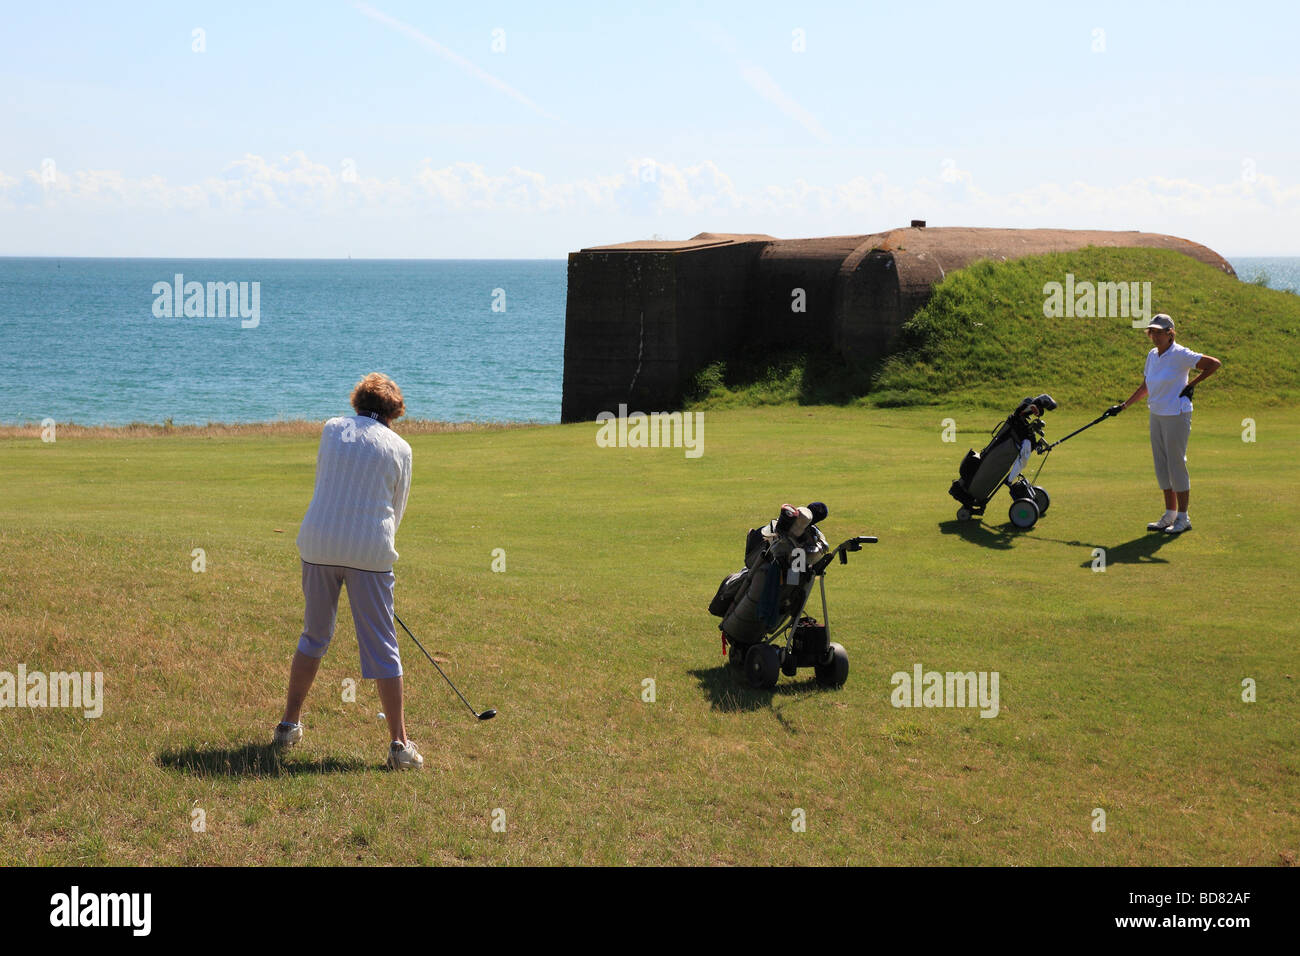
point(287, 735)
point(1166, 521)
point(404, 756)
point(1179, 526)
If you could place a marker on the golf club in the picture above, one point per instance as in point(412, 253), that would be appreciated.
point(1095, 421)
point(1046, 450)
point(486, 715)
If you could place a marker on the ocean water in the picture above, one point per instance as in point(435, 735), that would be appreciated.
point(80, 340)
point(1278, 272)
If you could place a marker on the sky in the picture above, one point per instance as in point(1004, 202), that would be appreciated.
point(399, 129)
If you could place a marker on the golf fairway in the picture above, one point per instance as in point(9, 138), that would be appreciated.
point(621, 736)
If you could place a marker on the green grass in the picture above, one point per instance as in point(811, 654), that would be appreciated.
point(982, 341)
point(753, 379)
point(1119, 690)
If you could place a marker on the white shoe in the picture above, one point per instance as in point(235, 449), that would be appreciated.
point(1179, 526)
point(1166, 521)
point(287, 735)
point(404, 756)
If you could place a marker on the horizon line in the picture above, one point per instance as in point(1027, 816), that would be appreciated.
point(564, 258)
point(306, 258)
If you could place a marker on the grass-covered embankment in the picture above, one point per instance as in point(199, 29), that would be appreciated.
point(983, 341)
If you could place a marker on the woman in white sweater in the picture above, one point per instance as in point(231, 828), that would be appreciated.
point(363, 476)
point(1169, 397)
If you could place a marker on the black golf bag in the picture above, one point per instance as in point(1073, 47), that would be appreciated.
point(765, 601)
point(1001, 462)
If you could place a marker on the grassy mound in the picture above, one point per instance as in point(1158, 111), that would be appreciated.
point(983, 340)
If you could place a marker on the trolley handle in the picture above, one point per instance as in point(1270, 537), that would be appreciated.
point(1095, 421)
point(852, 544)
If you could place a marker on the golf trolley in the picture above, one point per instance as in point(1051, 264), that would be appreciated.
point(1003, 459)
point(765, 631)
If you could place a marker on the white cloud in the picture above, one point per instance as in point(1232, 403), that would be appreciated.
point(680, 199)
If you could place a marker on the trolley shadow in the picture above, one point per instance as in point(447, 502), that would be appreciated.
point(251, 760)
point(727, 691)
point(1001, 538)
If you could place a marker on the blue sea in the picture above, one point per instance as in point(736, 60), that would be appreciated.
point(1276, 272)
point(81, 340)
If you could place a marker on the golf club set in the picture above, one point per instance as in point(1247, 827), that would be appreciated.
point(764, 628)
point(1002, 462)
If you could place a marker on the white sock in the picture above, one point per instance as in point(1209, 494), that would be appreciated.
point(1182, 516)
point(1170, 514)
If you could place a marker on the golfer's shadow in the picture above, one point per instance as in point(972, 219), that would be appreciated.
point(727, 691)
point(1138, 551)
point(977, 532)
point(250, 760)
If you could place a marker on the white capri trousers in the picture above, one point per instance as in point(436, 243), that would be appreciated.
point(1169, 434)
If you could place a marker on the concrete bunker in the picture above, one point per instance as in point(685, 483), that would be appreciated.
point(643, 317)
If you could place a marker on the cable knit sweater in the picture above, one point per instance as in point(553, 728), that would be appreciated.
point(363, 475)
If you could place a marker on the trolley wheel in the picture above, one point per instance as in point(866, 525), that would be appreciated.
point(789, 665)
point(736, 654)
point(763, 665)
point(835, 671)
point(1043, 499)
point(963, 514)
point(1023, 513)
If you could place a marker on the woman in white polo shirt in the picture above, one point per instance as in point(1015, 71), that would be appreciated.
point(363, 476)
point(1169, 397)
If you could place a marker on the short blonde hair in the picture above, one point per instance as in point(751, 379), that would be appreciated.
point(379, 394)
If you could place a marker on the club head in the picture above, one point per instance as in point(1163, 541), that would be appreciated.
point(487, 715)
